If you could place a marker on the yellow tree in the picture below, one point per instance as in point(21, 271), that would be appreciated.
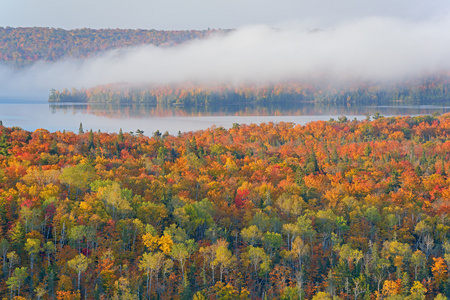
point(224, 258)
point(258, 259)
point(180, 253)
point(151, 264)
point(322, 296)
point(418, 291)
point(291, 231)
point(228, 292)
point(77, 177)
point(398, 252)
point(300, 249)
point(251, 235)
point(150, 241)
point(208, 253)
point(32, 246)
point(13, 259)
point(291, 205)
point(115, 199)
point(40, 291)
point(165, 244)
point(122, 290)
point(79, 263)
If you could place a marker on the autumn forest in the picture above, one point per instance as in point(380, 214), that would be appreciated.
point(339, 209)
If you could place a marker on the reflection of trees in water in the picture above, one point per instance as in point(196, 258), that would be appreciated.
point(115, 110)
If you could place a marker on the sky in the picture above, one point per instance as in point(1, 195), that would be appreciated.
point(203, 14)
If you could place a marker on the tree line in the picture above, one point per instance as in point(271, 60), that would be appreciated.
point(428, 89)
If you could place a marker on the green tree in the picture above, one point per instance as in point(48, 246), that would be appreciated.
point(17, 280)
point(17, 236)
point(272, 242)
point(12, 284)
point(76, 235)
point(418, 260)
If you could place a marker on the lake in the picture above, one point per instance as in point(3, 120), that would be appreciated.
point(33, 114)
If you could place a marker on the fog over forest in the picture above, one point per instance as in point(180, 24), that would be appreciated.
point(375, 48)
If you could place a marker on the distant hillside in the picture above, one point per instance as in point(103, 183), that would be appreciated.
point(22, 46)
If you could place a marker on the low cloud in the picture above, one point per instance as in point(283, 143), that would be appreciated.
point(376, 48)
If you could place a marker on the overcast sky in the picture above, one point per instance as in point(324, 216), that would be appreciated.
point(201, 14)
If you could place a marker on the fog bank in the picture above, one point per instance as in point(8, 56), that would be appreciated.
point(376, 48)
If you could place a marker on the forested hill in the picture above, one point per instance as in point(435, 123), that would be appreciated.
point(22, 46)
point(350, 209)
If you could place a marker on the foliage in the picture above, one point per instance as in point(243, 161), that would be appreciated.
point(338, 209)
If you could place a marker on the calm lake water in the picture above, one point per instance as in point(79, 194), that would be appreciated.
point(30, 115)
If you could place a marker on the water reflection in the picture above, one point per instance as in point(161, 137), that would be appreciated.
point(130, 117)
point(136, 110)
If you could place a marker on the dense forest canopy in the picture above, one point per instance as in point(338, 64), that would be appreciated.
point(347, 209)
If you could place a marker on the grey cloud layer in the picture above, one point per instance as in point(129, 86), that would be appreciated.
point(370, 48)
